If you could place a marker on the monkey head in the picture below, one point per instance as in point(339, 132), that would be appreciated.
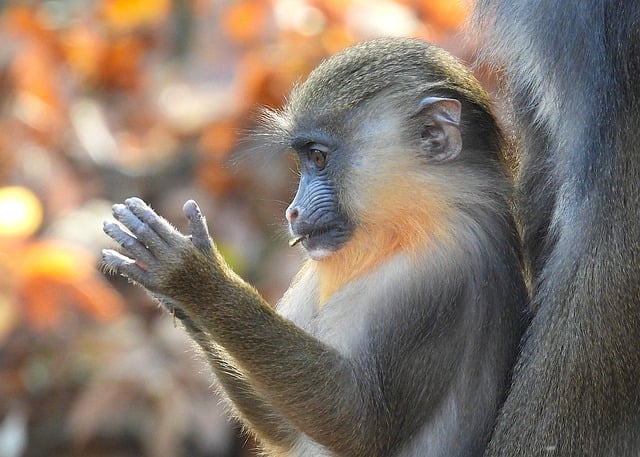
point(366, 127)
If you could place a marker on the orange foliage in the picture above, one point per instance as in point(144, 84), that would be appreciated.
point(245, 21)
point(445, 14)
point(35, 63)
point(216, 142)
point(218, 139)
point(334, 9)
point(39, 99)
point(108, 48)
point(336, 38)
point(51, 276)
point(260, 80)
point(84, 50)
point(122, 61)
point(21, 20)
point(85, 89)
point(123, 15)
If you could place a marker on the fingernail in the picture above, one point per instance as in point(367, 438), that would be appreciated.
point(133, 201)
point(117, 208)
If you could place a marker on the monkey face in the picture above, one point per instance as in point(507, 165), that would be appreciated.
point(316, 219)
point(373, 155)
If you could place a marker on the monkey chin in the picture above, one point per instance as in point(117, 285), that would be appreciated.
point(314, 252)
point(318, 253)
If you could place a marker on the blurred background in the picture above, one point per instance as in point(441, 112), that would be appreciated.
point(105, 99)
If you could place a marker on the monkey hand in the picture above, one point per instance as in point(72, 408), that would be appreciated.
point(158, 257)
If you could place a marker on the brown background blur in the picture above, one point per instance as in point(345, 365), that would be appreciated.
point(105, 99)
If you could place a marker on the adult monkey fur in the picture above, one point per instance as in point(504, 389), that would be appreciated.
point(398, 336)
point(573, 73)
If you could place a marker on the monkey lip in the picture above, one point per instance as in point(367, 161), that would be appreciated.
point(296, 239)
point(308, 240)
point(320, 241)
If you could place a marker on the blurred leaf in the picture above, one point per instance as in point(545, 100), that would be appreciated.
point(219, 138)
point(38, 101)
point(214, 176)
point(122, 64)
point(51, 276)
point(446, 14)
point(266, 77)
point(84, 49)
point(123, 15)
point(8, 316)
point(336, 38)
point(20, 212)
point(245, 20)
point(21, 20)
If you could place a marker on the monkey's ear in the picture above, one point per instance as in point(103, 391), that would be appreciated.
point(440, 136)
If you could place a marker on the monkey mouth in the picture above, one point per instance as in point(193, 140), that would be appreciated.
point(296, 239)
point(321, 241)
point(312, 234)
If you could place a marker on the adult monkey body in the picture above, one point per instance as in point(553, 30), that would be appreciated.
point(398, 336)
point(573, 73)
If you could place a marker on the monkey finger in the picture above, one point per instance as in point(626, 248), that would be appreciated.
point(140, 229)
point(114, 262)
point(197, 227)
point(157, 223)
point(128, 242)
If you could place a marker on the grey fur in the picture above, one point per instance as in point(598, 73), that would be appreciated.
point(573, 74)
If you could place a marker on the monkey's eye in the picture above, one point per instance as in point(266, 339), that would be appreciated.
point(317, 156)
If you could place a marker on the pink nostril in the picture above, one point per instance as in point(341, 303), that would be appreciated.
point(291, 214)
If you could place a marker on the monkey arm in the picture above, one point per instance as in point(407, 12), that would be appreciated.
point(308, 382)
point(265, 422)
point(353, 407)
point(269, 426)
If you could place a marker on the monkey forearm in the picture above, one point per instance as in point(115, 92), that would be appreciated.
point(269, 426)
point(312, 381)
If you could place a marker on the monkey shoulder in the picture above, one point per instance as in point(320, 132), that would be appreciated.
point(407, 291)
